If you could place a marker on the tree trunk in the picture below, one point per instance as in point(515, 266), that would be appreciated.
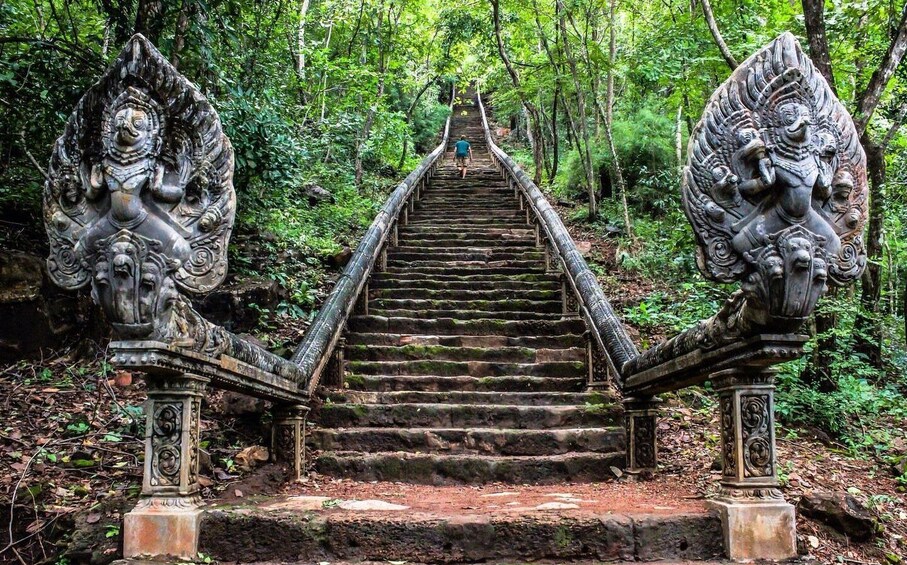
point(581, 109)
point(300, 39)
point(609, 125)
point(814, 18)
point(716, 34)
point(515, 79)
point(149, 19)
point(867, 325)
point(179, 36)
point(869, 98)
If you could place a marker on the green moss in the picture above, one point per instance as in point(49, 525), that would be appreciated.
point(355, 380)
point(562, 537)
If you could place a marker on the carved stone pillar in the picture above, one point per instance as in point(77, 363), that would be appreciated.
point(569, 303)
point(599, 372)
point(758, 523)
point(361, 306)
point(333, 372)
point(641, 421)
point(552, 265)
point(382, 260)
point(288, 437)
point(166, 520)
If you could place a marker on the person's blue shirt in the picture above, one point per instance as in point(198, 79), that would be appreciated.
point(462, 148)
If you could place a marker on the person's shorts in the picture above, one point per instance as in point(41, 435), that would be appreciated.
point(461, 160)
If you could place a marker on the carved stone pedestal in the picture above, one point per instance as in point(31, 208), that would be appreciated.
point(166, 520)
point(288, 437)
point(758, 523)
point(641, 420)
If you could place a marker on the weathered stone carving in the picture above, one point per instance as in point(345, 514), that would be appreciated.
point(775, 188)
point(140, 202)
point(776, 153)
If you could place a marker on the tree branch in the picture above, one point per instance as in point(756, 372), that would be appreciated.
point(868, 99)
point(716, 33)
point(814, 19)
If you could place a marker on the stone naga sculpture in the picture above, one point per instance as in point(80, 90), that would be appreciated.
point(139, 204)
point(775, 188)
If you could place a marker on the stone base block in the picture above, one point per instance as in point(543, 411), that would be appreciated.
point(757, 530)
point(155, 529)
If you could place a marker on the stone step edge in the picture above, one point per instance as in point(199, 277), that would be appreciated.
point(461, 538)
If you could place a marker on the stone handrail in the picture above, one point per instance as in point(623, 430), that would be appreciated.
point(606, 328)
point(318, 344)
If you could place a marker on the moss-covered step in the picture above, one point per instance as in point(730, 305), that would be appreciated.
point(500, 305)
point(588, 399)
point(517, 242)
point(466, 415)
point(411, 352)
point(484, 441)
point(516, 383)
point(279, 534)
point(491, 293)
point(531, 341)
point(451, 326)
point(464, 315)
point(469, 368)
point(381, 280)
point(437, 469)
point(485, 255)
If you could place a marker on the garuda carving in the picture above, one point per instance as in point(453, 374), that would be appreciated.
point(776, 169)
point(775, 188)
point(139, 202)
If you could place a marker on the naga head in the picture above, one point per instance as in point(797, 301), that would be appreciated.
point(788, 277)
point(133, 283)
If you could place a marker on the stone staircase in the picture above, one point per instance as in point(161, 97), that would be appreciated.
point(463, 374)
point(465, 369)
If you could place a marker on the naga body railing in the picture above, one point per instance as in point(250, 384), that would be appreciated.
point(318, 347)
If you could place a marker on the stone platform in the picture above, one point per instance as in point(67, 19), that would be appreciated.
point(360, 521)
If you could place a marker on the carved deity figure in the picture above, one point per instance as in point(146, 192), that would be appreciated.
point(775, 185)
point(139, 201)
point(131, 166)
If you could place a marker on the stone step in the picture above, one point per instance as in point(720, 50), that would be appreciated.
point(487, 256)
point(463, 383)
point(300, 531)
point(482, 341)
point(443, 353)
point(487, 441)
point(465, 282)
point(434, 469)
point(471, 306)
point(450, 326)
point(471, 233)
point(416, 415)
point(467, 268)
point(464, 314)
point(466, 294)
point(467, 397)
point(491, 242)
point(468, 368)
point(497, 206)
point(475, 225)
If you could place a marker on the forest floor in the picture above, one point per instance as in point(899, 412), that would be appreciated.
point(71, 453)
